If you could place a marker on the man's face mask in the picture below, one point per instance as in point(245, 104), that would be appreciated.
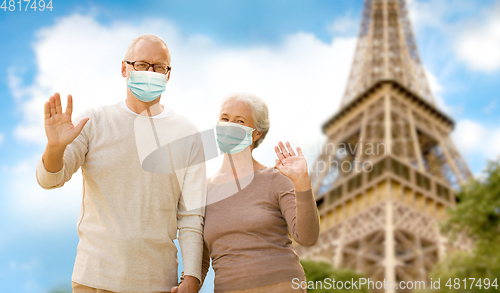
point(232, 138)
point(146, 85)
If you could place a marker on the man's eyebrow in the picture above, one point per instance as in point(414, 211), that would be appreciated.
point(142, 60)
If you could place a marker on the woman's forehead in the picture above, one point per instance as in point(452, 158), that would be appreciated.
point(236, 108)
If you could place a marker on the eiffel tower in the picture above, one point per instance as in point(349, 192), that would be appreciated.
point(389, 169)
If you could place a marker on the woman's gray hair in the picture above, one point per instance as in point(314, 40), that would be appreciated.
point(146, 37)
point(259, 110)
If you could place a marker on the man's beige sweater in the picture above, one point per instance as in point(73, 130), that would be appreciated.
point(130, 216)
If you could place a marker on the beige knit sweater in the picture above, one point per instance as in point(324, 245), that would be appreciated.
point(129, 217)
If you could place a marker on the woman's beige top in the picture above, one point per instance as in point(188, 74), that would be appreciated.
point(247, 234)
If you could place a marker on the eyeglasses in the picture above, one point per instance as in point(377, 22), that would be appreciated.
point(144, 66)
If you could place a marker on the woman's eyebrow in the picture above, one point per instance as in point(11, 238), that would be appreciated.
point(239, 116)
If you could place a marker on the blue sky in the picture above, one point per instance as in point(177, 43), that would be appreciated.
point(294, 54)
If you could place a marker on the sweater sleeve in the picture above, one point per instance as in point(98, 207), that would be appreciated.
point(191, 212)
point(301, 215)
point(73, 159)
point(205, 262)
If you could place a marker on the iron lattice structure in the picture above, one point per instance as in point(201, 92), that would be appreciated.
point(386, 49)
point(389, 169)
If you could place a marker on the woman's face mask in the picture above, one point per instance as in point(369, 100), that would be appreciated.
point(232, 138)
point(147, 85)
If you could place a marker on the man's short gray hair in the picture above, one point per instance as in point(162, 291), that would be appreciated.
point(146, 37)
point(259, 110)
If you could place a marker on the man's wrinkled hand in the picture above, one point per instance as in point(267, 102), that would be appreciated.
point(59, 128)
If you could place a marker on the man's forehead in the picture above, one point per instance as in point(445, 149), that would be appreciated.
point(145, 50)
point(145, 42)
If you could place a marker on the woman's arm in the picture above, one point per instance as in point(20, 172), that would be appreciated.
point(301, 215)
point(297, 205)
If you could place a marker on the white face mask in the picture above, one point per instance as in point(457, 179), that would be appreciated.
point(232, 138)
point(146, 85)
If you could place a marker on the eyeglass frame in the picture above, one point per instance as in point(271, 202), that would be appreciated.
point(149, 65)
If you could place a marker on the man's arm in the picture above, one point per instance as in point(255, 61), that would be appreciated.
point(205, 266)
point(191, 214)
point(52, 170)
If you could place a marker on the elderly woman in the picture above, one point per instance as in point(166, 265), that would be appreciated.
point(252, 209)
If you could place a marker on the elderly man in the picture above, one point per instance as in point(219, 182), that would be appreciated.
point(130, 216)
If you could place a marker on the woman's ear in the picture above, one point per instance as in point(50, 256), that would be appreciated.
point(257, 135)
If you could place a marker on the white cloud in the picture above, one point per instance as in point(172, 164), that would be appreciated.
point(14, 82)
point(490, 107)
point(1, 138)
point(436, 90)
point(473, 37)
point(438, 14)
point(434, 84)
point(27, 267)
point(469, 136)
point(479, 44)
point(301, 79)
point(426, 13)
point(472, 137)
point(37, 209)
point(344, 25)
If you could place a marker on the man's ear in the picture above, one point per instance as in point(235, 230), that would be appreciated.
point(124, 69)
point(168, 74)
